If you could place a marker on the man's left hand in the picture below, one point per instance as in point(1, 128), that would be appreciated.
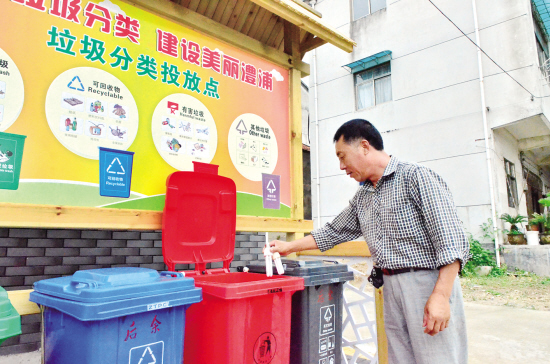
point(437, 314)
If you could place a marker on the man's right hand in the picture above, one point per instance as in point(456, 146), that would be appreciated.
point(287, 247)
point(281, 247)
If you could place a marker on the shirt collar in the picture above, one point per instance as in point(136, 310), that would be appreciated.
point(391, 167)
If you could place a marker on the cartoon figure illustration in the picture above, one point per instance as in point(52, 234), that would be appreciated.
point(174, 144)
point(119, 111)
point(242, 145)
point(265, 150)
point(5, 156)
point(68, 124)
point(117, 132)
point(167, 122)
point(253, 147)
point(96, 107)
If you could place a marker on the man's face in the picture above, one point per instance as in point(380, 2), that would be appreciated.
point(353, 158)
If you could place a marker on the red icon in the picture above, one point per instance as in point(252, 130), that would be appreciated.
point(173, 107)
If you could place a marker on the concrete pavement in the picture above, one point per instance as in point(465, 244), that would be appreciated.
point(496, 334)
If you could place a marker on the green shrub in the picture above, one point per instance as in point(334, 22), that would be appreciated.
point(481, 257)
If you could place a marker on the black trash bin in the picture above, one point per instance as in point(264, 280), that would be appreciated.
point(316, 326)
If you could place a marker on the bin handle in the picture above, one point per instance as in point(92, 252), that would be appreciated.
point(87, 283)
point(331, 261)
point(172, 274)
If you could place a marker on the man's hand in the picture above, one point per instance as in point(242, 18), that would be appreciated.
point(437, 314)
point(437, 311)
point(281, 247)
point(287, 247)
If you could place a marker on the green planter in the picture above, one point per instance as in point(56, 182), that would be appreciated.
point(545, 239)
point(10, 321)
point(517, 239)
point(11, 155)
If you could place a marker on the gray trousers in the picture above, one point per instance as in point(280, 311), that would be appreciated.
point(405, 296)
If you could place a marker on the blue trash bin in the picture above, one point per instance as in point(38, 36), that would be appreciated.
point(115, 316)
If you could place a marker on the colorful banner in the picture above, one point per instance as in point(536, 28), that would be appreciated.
point(77, 75)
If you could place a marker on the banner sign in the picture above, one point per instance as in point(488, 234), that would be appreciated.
point(77, 76)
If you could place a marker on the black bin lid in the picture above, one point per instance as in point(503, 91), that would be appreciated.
point(314, 272)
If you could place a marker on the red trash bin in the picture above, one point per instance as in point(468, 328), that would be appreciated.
point(244, 318)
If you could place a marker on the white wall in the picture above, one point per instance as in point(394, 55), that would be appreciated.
point(435, 116)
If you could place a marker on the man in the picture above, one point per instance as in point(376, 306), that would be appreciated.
point(406, 214)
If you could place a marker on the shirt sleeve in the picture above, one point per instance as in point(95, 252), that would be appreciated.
point(344, 227)
point(441, 221)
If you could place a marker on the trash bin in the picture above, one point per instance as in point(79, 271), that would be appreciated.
point(316, 335)
point(10, 321)
point(115, 315)
point(11, 156)
point(244, 318)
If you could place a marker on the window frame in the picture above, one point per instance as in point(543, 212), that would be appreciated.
point(369, 7)
point(372, 80)
point(511, 183)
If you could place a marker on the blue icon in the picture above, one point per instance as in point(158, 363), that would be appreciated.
point(74, 85)
point(115, 172)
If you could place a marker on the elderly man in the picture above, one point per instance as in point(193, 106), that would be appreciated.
point(407, 216)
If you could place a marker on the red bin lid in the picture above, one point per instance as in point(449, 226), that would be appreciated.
point(199, 219)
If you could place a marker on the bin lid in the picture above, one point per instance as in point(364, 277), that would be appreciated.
point(99, 294)
point(199, 219)
point(10, 321)
point(112, 284)
point(314, 272)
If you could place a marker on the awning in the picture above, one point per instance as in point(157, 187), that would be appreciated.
point(542, 8)
point(368, 62)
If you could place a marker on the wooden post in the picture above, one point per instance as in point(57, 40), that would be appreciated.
point(380, 326)
point(292, 48)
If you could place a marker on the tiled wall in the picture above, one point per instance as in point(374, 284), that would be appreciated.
point(30, 255)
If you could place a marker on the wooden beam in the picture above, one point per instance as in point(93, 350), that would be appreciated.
point(21, 303)
point(311, 44)
point(534, 142)
point(348, 249)
point(72, 217)
point(291, 12)
point(209, 27)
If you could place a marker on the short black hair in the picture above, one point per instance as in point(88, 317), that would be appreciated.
point(357, 129)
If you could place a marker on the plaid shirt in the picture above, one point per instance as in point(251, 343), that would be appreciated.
point(408, 220)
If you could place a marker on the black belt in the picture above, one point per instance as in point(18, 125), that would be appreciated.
point(391, 272)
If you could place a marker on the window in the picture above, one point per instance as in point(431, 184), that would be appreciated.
point(511, 185)
point(540, 38)
point(363, 8)
point(373, 86)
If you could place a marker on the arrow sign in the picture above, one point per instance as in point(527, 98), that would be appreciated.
point(241, 128)
point(271, 186)
point(76, 84)
point(328, 315)
point(147, 357)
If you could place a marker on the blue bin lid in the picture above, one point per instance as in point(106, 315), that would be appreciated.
point(112, 292)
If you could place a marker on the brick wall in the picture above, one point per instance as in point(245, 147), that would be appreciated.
point(30, 255)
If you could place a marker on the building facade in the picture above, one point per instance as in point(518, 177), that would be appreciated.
point(416, 75)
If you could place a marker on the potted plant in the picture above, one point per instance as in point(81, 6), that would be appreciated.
point(532, 233)
point(515, 236)
point(544, 220)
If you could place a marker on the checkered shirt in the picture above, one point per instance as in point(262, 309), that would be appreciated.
point(408, 220)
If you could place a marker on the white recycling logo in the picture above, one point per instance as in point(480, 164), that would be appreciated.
point(328, 315)
point(271, 186)
point(145, 359)
point(119, 165)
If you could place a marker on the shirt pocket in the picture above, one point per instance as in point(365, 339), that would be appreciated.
point(400, 222)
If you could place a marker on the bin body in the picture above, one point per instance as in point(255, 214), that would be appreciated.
point(244, 318)
point(253, 329)
point(11, 157)
point(115, 315)
point(10, 321)
point(316, 328)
